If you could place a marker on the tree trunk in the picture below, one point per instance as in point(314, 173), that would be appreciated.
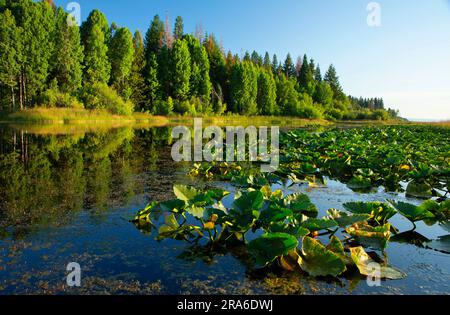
point(13, 99)
point(20, 92)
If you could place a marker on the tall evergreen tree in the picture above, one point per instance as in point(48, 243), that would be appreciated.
point(95, 37)
point(10, 54)
point(121, 55)
point(306, 77)
point(67, 60)
point(154, 38)
point(318, 74)
point(179, 28)
point(267, 63)
point(200, 83)
point(275, 64)
point(137, 81)
point(288, 67)
point(267, 92)
point(181, 69)
point(244, 88)
point(332, 79)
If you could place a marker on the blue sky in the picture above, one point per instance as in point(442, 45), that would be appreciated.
point(406, 60)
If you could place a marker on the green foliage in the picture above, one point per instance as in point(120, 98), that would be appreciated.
point(137, 80)
point(54, 98)
point(181, 69)
point(121, 56)
point(101, 96)
point(95, 38)
point(244, 88)
point(267, 92)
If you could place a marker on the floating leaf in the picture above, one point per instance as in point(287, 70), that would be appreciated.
point(174, 205)
point(298, 232)
point(317, 260)
point(375, 237)
point(419, 190)
point(249, 201)
point(368, 267)
point(344, 220)
point(318, 224)
point(274, 213)
point(185, 193)
point(412, 212)
point(380, 212)
point(301, 204)
point(268, 247)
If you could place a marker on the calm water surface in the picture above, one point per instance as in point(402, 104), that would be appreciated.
point(68, 198)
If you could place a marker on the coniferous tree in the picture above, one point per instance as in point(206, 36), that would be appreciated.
point(288, 67)
point(200, 82)
point(267, 92)
point(137, 81)
point(306, 77)
point(10, 54)
point(275, 64)
point(179, 28)
point(332, 79)
point(67, 60)
point(95, 37)
point(154, 38)
point(181, 69)
point(121, 55)
point(244, 88)
point(318, 74)
point(267, 63)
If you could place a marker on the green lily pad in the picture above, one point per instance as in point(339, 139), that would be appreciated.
point(298, 232)
point(412, 212)
point(301, 204)
point(368, 267)
point(380, 212)
point(375, 237)
point(419, 190)
point(249, 201)
point(185, 193)
point(318, 224)
point(174, 205)
point(317, 260)
point(268, 247)
point(344, 220)
point(274, 213)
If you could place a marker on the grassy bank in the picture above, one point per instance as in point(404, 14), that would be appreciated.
point(77, 116)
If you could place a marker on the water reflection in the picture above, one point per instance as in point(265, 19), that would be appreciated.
point(45, 180)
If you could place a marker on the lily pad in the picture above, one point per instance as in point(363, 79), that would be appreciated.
point(268, 247)
point(368, 267)
point(419, 190)
point(412, 212)
point(317, 260)
point(344, 220)
point(301, 204)
point(375, 237)
point(318, 224)
point(380, 212)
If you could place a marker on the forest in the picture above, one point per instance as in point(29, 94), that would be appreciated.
point(47, 61)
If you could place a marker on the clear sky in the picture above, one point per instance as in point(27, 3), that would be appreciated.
point(406, 60)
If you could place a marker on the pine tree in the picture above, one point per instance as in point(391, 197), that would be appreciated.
point(154, 38)
point(121, 55)
point(244, 88)
point(95, 37)
point(289, 68)
point(200, 83)
point(10, 53)
point(151, 81)
point(275, 64)
point(181, 69)
point(267, 63)
point(318, 74)
point(306, 77)
point(332, 79)
point(179, 28)
point(137, 81)
point(267, 92)
point(67, 60)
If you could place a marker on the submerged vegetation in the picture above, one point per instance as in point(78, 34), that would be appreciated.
point(46, 60)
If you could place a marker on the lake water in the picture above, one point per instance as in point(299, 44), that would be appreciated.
point(67, 197)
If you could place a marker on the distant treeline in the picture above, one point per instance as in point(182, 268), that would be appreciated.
point(47, 60)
